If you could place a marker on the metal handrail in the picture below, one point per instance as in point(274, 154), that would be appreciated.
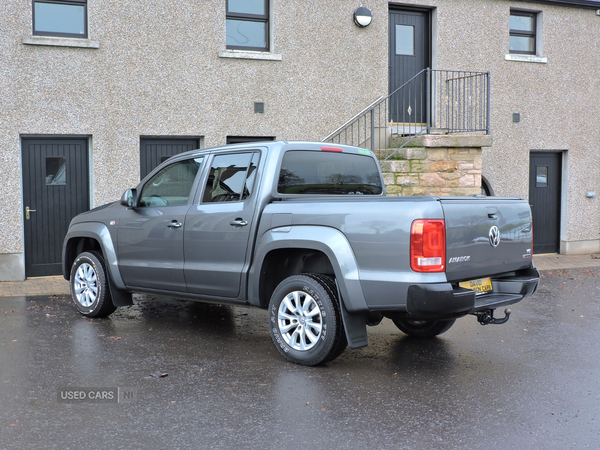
point(444, 101)
point(354, 118)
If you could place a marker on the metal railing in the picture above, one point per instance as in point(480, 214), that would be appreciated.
point(433, 101)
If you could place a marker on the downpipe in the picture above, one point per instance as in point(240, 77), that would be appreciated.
point(487, 317)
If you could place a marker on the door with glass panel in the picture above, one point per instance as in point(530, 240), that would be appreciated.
point(545, 180)
point(409, 54)
point(55, 189)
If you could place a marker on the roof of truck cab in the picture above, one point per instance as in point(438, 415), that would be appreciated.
point(282, 144)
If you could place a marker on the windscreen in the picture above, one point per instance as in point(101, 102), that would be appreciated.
point(330, 173)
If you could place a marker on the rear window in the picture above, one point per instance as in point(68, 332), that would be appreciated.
point(331, 173)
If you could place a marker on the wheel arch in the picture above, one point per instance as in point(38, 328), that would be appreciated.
point(92, 236)
point(75, 246)
point(286, 251)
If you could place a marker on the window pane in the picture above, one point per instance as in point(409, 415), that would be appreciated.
point(251, 177)
point(405, 40)
point(541, 176)
point(56, 172)
point(227, 178)
point(243, 33)
point(309, 172)
point(246, 6)
point(57, 18)
point(522, 23)
point(522, 44)
point(172, 185)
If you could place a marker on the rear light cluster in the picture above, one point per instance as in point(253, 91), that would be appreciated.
point(428, 246)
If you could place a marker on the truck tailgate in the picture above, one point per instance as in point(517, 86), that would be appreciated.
point(486, 236)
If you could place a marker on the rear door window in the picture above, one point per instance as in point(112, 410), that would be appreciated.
point(231, 177)
point(329, 173)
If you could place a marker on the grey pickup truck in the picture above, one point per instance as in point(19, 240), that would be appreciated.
point(306, 231)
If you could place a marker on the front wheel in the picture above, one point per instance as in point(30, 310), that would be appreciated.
point(424, 328)
point(89, 285)
point(305, 320)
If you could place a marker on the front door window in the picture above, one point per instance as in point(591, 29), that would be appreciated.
point(172, 185)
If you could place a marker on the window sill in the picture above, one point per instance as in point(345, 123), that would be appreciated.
point(526, 58)
point(60, 42)
point(244, 54)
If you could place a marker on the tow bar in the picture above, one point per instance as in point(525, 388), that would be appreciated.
point(487, 317)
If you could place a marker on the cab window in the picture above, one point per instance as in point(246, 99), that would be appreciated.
point(231, 178)
point(311, 172)
point(172, 185)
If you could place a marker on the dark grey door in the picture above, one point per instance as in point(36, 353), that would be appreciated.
point(150, 235)
point(55, 189)
point(545, 178)
point(154, 151)
point(409, 54)
point(218, 229)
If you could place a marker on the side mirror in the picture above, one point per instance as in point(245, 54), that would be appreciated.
point(129, 198)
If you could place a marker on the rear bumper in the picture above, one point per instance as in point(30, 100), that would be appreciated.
point(443, 299)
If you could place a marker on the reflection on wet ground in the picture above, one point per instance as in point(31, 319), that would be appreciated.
point(531, 383)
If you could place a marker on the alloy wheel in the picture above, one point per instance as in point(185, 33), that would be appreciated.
point(300, 321)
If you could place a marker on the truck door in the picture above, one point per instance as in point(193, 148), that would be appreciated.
point(150, 237)
point(217, 229)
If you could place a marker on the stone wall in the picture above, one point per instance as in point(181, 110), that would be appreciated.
point(437, 165)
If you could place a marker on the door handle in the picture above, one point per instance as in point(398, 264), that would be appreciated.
point(238, 223)
point(175, 224)
point(27, 211)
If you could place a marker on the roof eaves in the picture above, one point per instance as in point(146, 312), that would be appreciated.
point(588, 4)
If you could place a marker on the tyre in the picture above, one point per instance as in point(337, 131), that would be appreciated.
point(342, 342)
point(424, 328)
point(305, 320)
point(89, 285)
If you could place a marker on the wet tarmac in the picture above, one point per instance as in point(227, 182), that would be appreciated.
point(190, 375)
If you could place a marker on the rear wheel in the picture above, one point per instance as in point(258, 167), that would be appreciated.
point(424, 328)
point(305, 320)
point(89, 285)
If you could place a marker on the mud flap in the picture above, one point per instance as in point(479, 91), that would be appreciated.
point(356, 329)
point(119, 297)
point(355, 325)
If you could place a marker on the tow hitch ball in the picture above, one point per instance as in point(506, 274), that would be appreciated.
point(487, 317)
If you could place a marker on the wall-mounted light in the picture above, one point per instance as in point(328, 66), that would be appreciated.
point(363, 17)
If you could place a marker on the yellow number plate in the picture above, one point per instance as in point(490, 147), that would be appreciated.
point(481, 286)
